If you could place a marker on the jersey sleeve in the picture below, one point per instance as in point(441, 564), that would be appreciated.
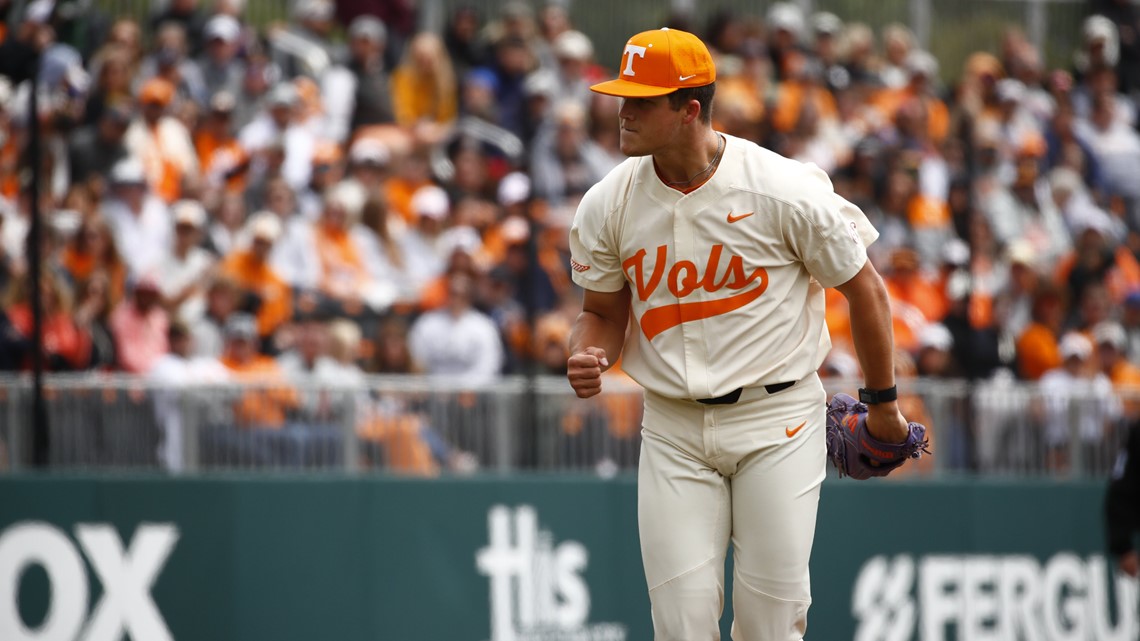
point(594, 260)
point(828, 233)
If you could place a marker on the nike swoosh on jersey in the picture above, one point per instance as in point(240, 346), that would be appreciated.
point(792, 432)
point(733, 219)
point(659, 319)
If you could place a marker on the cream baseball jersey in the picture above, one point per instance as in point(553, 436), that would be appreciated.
point(727, 280)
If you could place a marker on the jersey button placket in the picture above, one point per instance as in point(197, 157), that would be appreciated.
point(685, 248)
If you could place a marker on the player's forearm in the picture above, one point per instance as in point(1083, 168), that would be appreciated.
point(594, 330)
point(871, 327)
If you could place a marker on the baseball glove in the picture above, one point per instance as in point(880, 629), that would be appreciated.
point(856, 453)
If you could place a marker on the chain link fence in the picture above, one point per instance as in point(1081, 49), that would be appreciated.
point(414, 426)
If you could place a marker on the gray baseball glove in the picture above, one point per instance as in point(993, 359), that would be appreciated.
point(856, 453)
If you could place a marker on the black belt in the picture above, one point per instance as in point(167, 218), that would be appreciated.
point(734, 395)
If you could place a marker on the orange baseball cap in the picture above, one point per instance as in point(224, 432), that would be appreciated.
point(156, 91)
point(659, 62)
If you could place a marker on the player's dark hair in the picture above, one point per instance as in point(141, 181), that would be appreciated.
point(703, 95)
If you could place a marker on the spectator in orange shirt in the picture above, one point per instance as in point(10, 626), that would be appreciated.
point(250, 269)
point(906, 283)
point(162, 142)
point(1037, 350)
point(424, 89)
point(92, 249)
point(269, 402)
point(66, 346)
point(1111, 343)
point(224, 162)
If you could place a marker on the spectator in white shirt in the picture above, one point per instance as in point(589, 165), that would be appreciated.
point(183, 274)
point(139, 220)
point(1079, 403)
point(457, 343)
point(277, 125)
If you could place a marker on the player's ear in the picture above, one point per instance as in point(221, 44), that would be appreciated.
point(692, 111)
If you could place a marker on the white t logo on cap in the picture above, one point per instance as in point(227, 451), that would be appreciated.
point(632, 50)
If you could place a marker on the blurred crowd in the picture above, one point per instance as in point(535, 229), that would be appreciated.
point(345, 193)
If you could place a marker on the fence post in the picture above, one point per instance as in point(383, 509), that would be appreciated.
point(350, 448)
point(920, 18)
point(15, 426)
point(1037, 23)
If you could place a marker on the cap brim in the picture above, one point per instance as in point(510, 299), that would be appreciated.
point(626, 89)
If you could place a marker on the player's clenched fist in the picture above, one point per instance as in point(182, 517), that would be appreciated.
point(584, 370)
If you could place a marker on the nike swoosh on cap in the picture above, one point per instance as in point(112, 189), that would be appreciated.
point(684, 78)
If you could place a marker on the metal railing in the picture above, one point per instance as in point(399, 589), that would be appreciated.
point(412, 425)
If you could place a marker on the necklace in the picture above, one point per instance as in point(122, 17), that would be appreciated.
point(712, 165)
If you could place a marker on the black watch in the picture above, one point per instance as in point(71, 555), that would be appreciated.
point(876, 396)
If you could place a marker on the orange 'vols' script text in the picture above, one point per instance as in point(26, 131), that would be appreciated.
point(683, 279)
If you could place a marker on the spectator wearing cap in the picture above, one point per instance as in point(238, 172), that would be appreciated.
point(786, 28)
point(188, 16)
point(432, 209)
point(565, 163)
point(368, 163)
point(368, 96)
point(221, 66)
point(1112, 358)
point(139, 220)
point(304, 46)
point(277, 141)
point(139, 325)
point(424, 88)
point(161, 142)
point(224, 161)
point(173, 373)
point(251, 270)
point(576, 68)
point(342, 276)
point(92, 149)
point(920, 90)
point(1013, 303)
point(898, 43)
point(827, 31)
point(268, 402)
point(20, 50)
point(169, 60)
point(185, 271)
point(935, 357)
point(1076, 392)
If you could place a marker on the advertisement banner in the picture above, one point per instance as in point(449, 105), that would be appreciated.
point(523, 559)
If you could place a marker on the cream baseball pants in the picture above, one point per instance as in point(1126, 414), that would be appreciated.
point(748, 473)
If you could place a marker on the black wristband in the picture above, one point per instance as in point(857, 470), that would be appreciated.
point(874, 397)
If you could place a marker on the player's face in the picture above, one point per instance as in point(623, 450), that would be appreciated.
point(646, 125)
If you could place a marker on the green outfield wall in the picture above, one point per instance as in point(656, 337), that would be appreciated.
point(523, 559)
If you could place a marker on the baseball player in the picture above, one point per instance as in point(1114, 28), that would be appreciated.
point(704, 260)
